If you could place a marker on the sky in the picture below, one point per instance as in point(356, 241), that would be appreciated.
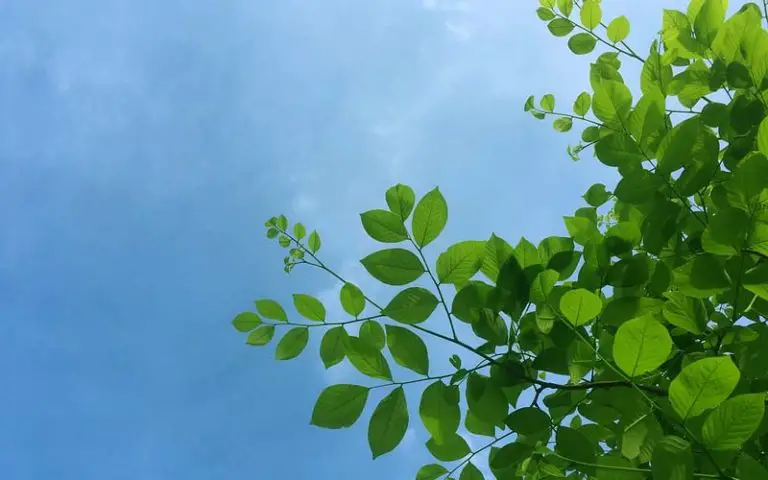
point(142, 146)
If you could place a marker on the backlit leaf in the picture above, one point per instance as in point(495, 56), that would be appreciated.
point(702, 385)
point(339, 406)
point(388, 424)
point(407, 349)
point(395, 266)
point(429, 218)
point(641, 345)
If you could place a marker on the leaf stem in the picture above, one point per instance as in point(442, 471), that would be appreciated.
point(437, 286)
point(472, 455)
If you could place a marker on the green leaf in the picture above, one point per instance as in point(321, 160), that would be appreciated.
point(565, 7)
point(618, 29)
point(702, 385)
point(332, 349)
point(672, 459)
point(282, 222)
point(582, 230)
point(528, 421)
point(582, 104)
point(545, 14)
point(547, 102)
point(582, 43)
point(339, 406)
point(452, 448)
point(734, 421)
point(460, 262)
point(395, 266)
point(709, 20)
point(485, 399)
point(400, 200)
point(299, 231)
point(542, 286)
point(314, 242)
point(597, 195)
point(411, 306)
point(762, 137)
point(439, 410)
point(292, 343)
point(492, 327)
point(352, 299)
point(685, 312)
point(562, 124)
point(431, 472)
point(751, 469)
point(580, 306)
point(591, 14)
point(619, 150)
point(510, 455)
point(560, 27)
point(384, 226)
point(702, 277)
point(372, 333)
point(408, 349)
point(271, 309)
point(756, 280)
point(309, 307)
point(471, 472)
point(497, 253)
point(367, 359)
point(429, 218)
point(261, 336)
point(689, 141)
point(612, 102)
point(388, 424)
point(641, 345)
point(572, 444)
point(246, 321)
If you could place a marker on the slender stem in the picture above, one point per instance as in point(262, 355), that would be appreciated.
point(627, 52)
point(427, 378)
point(571, 116)
point(472, 455)
point(324, 324)
point(437, 287)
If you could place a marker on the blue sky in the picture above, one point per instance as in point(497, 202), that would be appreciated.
point(144, 143)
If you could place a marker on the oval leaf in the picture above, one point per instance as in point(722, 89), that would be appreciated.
point(332, 349)
point(246, 321)
point(400, 199)
point(271, 309)
point(641, 345)
point(408, 349)
point(367, 359)
point(703, 385)
point(460, 262)
point(292, 343)
point(429, 218)
point(352, 299)
point(411, 306)
point(384, 226)
point(388, 424)
point(734, 421)
point(309, 307)
point(395, 266)
point(580, 306)
point(339, 406)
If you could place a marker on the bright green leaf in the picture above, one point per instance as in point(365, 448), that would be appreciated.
point(384, 226)
point(734, 421)
point(429, 218)
point(702, 385)
point(261, 336)
point(372, 333)
point(400, 200)
point(395, 266)
point(332, 349)
point(641, 345)
point(580, 306)
point(309, 307)
point(292, 344)
point(582, 43)
point(352, 299)
point(618, 29)
point(246, 321)
point(460, 262)
point(367, 359)
point(271, 309)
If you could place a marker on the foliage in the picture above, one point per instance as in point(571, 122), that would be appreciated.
point(640, 340)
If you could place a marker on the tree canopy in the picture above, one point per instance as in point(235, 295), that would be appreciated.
point(634, 348)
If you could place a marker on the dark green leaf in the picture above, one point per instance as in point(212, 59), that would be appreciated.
point(388, 424)
point(372, 333)
point(332, 349)
point(431, 472)
point(528, 421)
point(597, 195)
point(452, 448)
point(582, 43)
point(367, 359)
point(339, 406)
point(471, 472)
point(485, 399)
point(560, 27)
point(408, 349)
